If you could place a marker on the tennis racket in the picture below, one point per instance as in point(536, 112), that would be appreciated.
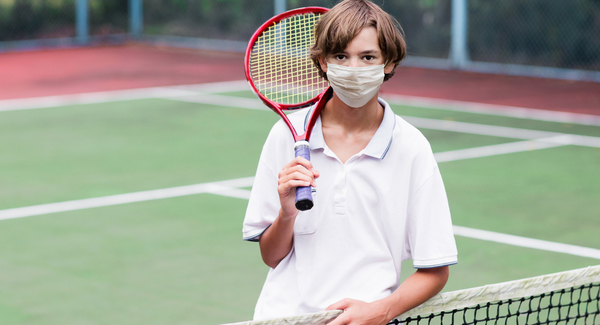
point(281, 73)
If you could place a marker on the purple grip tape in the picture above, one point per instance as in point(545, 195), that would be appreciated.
point(304, 199)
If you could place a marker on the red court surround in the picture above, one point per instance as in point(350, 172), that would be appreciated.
point(78, 70)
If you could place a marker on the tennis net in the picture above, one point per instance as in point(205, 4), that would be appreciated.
point(571, 297)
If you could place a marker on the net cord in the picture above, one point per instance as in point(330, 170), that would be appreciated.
point(506, 290)
point(321, 318)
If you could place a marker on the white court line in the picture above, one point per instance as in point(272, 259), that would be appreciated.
point(221, 100)
point(526, 242)
point(227, 188)
point(216, 87)
point(175, 92)
point(444, 125)
point(193, 93)
point(490, 109)
point(501, 131)
point(120, 95)
point(479, 129)
point(230, 187)
point(90, 98)
point(504, 148)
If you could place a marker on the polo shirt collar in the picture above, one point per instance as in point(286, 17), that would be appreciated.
point(379, 144)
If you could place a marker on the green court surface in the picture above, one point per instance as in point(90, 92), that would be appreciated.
point(181, 260)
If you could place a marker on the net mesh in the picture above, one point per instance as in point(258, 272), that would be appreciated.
point(575, 305)
point(280, 64)
point(571, 297)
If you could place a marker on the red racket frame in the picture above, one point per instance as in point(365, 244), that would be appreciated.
point(277, 107)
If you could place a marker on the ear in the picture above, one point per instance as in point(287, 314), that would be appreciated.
point(389, 68)
point(323, 63)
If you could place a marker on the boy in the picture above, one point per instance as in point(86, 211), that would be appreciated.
point(379, 200)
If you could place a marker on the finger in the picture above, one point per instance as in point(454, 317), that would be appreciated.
point(309, 167)
point(303, 165)
point(296, 173)
point(301, 161)
point(288, 188)
point(295, 178)
point(341, 305)
point(316, 173)
point(304, 162)
point(340, 320)
point(289, 168)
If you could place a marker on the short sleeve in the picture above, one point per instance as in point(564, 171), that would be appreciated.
point(261, 210)
point(263, 206)
point(430, 238)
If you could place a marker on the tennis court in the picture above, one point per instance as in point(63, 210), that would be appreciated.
point(125, 207)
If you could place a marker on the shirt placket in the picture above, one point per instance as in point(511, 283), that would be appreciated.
point(341, 191)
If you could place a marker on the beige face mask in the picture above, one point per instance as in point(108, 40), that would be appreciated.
point(355, 86)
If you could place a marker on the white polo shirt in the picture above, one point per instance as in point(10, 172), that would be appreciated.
point(384, 205)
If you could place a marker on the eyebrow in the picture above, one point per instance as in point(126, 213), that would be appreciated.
point(361, 53)
point(370, 52)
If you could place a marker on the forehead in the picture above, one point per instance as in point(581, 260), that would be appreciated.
point(365, 41)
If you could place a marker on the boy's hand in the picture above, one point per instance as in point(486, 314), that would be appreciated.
point(358, 312)
point(298, 172)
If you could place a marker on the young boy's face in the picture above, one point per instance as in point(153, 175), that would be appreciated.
point(362, 51)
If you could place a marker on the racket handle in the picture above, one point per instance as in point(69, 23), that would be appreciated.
point(304, 199)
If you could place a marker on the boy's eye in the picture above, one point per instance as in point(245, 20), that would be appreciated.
point(369, 57)
point(340, 56)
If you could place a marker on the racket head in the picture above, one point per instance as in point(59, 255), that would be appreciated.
point(277, 61)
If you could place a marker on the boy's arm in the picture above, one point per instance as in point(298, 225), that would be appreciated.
point(418, 288)
point(277, 241)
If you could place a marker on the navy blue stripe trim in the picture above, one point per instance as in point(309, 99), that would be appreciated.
point(434, 266)
point(256, 237)
point(391, 139)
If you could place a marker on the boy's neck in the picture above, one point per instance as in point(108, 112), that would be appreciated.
point(352, 119)
point(348, 130)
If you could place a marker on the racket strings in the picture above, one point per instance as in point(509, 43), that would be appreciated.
point(280, 64)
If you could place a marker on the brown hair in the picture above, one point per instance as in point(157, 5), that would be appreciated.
point(338, 27)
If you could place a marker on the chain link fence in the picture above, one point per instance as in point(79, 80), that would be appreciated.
point(55, 19)
point(535, 33)
point(426, 23)
point(25, 20)
point(561, 34)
